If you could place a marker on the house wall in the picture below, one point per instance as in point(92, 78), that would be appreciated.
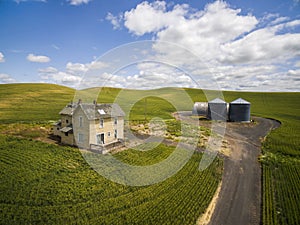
point(66, 120)
point(68, 140)
point(81, 129)
point(120, 128)
point(109, 126)
point(56, 130)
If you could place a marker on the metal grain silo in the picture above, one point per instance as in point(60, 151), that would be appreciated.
point(239, 110)
point(217, 110)
point(200, 109)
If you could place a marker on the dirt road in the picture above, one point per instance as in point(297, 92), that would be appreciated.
point(239, 201)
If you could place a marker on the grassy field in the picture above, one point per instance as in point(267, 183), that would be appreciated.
point(39, 103)
point(32, 102)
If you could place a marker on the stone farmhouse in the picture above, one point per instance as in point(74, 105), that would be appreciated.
point(91, 126)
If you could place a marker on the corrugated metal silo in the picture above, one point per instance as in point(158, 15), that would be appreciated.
point(217, 110)
point(239, 110)
point(200, 109)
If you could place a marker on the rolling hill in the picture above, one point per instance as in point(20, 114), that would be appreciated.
point(28, 165)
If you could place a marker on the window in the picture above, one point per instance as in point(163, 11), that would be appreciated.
point(101, 123)
point(57, 128)
point(80, 121)
point(116, 133)
point(67, 121)
point(116, 121)
point(80, 137)
point(66, 134)
point(108, 134)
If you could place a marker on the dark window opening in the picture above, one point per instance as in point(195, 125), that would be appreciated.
point(66, 134)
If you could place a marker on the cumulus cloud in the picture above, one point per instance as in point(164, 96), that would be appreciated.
point(80, 68)
point(262, 44)
point(78, 2)
point(38, 58)
point(152, 17)
point(239, 50)
point(5, 78)
point(51, 74)
point(2, 59)
point(72, 75)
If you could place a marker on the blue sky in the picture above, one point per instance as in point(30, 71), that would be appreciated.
point(242, 45)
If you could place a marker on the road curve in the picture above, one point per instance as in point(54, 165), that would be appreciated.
point(239, 201)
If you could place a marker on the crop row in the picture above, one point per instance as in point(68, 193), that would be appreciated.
point(47, 184)
point(281, 193)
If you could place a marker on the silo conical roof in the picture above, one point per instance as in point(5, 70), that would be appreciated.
point(217, 100)
point(240, 101)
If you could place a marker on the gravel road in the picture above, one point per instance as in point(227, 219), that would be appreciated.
point(239, 201)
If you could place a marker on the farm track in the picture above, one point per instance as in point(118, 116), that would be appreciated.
point(239, 200)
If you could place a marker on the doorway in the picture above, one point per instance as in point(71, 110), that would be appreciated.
point(100, 139)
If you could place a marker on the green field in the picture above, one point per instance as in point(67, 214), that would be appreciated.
point(47, 184)
point(43, 183)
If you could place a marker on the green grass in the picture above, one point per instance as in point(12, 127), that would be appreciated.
point(32, 102)
point(35, 103)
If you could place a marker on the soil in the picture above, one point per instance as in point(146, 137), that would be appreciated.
point(239, 200)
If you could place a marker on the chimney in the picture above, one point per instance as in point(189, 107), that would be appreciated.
point(79, 101)
point(95, 102)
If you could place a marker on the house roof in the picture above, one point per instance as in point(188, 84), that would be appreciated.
point(98, 111)
point(66, 129)
point(93, 111)
point(68, 110)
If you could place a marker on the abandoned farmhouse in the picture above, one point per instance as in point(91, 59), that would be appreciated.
point(90, 125)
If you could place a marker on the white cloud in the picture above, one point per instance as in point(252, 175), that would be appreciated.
point(279, 20)
point(73, 75)
point(78, 2)
point(5, 78)
point(51, 74)
point(38, 58)
point(234, 48)
point(152, 17)
point(2, 59)
point(80, 68)
point(76, 67)
point(114, 20)
point(262, 44)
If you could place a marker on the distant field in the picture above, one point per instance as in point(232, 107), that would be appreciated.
point(39, 103)
point(32, 102)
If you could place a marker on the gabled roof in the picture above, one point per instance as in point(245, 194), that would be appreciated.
point(68, 110)
point(217, 100)
point(240, 101)
point(98, 111)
